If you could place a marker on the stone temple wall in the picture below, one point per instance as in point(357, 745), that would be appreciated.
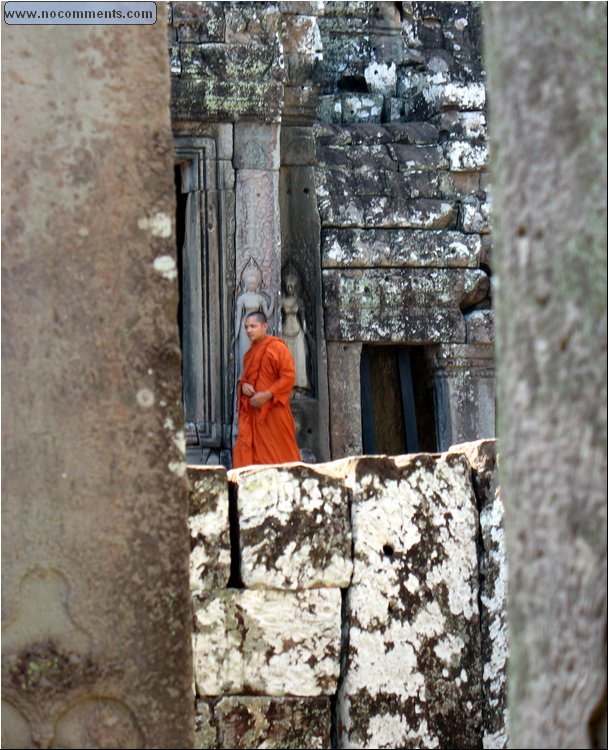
point(351, 150)
point(358, 603)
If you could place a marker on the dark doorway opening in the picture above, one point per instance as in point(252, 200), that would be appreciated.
point(397, 404)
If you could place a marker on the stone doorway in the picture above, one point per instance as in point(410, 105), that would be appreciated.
point(206, 276)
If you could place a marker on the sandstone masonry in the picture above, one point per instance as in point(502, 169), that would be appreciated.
point(366, 603)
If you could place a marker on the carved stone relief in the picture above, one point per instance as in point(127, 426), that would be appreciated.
point(295, 330)
point(253, 298)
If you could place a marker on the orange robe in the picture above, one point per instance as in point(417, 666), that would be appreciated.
point(267, 434)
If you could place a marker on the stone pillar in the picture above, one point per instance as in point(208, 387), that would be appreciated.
point(300, 221)
point(463, 378)
point(96, 614)
point(344, 368)
point(258, 232)
point(548, 133)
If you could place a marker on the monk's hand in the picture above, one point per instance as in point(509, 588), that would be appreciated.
point(248, 389)
point(260, 398)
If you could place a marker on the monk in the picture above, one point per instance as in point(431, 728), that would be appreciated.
point(267, 432)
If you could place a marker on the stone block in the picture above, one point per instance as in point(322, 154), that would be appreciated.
point(257, 145)
point(387, 211)
point(235, 62)
point(329, 109)
point(209, 528)
point(252, 22)
point(262, 722)
point(409, 305)
point(470, 126)
point(412, 607)
point(464, 156)
point(417, 158)
point(481, 456)
point(476, 217)
point(399, 248)
point(393, 109)
point(459, 184)
point(199, 22)
point(420, 133)
point(375, 158)
point(480, 326)
point(202, 99)
point(205, 729)
point(271, 643)
point(297, 146)
point(362, 107)
point(381, 78)
point(294, 528)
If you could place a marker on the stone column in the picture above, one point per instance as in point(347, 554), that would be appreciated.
point(95, 603)
point(463, 378)
point(344, 368)
point(258, 230)
point(548, 133)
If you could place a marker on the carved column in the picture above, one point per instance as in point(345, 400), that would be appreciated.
point(463, 379)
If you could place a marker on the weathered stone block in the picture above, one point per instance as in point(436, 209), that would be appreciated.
point(416, 158)
point(397, 248)
point(297, 146)
point(413, 132)
point(407, 305)
point(256, 145)
point(256, 22)
point(374, 158)
point(294, 528)
point(261, 722)
point(205, 729)
point(481, 456)
point(464, 156)
point(230, 62)
point(209, 528)
point(199, 22)
point(202, 99)
point(424, 213)
point(476, 217)
point(362, 107)
point(480, 327)
point(329, 109)
point(412, 607)
point(267, 642)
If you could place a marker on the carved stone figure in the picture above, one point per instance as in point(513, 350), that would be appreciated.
point(252, 299)
point(294, 326)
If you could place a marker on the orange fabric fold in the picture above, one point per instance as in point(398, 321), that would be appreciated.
point(267, 434)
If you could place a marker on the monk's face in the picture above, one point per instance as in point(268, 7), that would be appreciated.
point(255, 329)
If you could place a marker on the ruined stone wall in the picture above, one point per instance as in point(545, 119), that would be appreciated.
point(358, 603)
point(358, 139)
point(402, 193)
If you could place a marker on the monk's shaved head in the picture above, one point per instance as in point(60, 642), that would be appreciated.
point(258, 315)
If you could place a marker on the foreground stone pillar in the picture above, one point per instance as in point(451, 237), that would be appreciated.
point(548, 130)
point(96, 618)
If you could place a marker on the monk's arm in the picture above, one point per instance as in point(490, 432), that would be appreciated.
point(285, 369)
